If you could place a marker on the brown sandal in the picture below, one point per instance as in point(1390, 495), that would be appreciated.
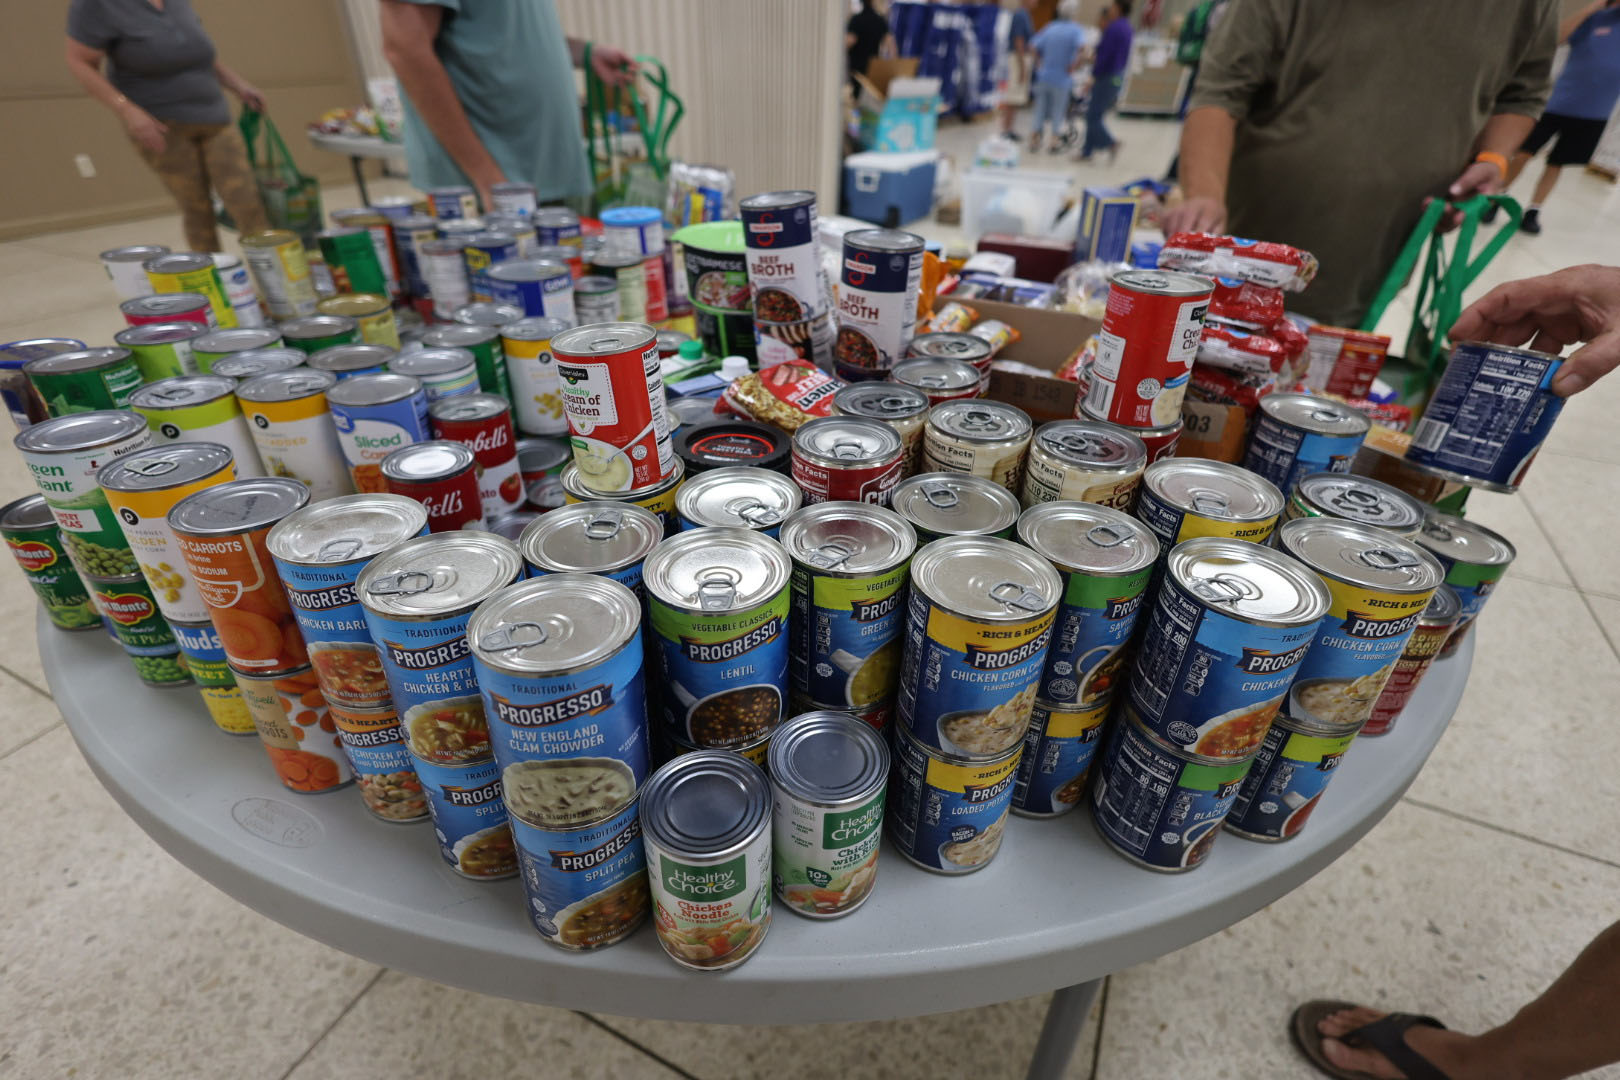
point(1387, 1035)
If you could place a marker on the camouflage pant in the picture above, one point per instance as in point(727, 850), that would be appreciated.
point(196, 158)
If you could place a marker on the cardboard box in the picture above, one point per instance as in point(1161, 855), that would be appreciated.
point(1107, 219)
point(1048, 339)
point(1220, 432)
point(1039, 258)
point(901, 115)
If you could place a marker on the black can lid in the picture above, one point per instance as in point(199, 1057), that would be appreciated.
point(718, 444)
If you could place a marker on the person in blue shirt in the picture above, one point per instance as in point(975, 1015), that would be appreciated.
point(1107, 77)
point(1582, 100)
point(1057, 50)
point(1015, 84)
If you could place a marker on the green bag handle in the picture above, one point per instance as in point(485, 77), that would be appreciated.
point(250, 123)
point(655, 133)
point(1448, 284)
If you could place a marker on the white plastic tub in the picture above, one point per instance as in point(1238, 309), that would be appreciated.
point(1013, 201)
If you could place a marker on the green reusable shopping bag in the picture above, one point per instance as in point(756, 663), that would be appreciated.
point(292, 199)
point(622, 180)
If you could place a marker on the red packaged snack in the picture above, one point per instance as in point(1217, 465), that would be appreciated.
point(1343, 361)
point(784, 395)
point(1229, 387)
point(1233, 348)
point(1261, 262)
point(1255, 307)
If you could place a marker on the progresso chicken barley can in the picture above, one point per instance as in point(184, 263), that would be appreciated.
point(947, 813)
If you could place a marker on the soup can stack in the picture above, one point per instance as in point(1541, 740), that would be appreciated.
point(417, 599)
point(1105, 559)
point(792, 310)
point(638, 232)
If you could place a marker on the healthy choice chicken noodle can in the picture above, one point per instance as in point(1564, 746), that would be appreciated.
point(417, 599)
point(469, 818)
point(613, 396)
point(718, 603)
point(828, 773)
point(1084, 461)
point(1058, 750)
point(558, 660)
point(979, 621)
point(1289, 776)
point(319, 552)
point(586, 884)
point(64, 454)
point(1183, 498)
point(1224, 640)
point(1297, 434)
point(706, 824)
point(946, 813)
point(848, 609)
point(1104, 559)
point(1378, 587)
point(880, 274)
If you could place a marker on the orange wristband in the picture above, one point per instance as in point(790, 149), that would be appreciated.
point(1493, 158)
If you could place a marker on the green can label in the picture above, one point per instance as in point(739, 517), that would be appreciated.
point(90, 530)
point(492, 377)
point(164, 360)
point(714, 915)
point(44, 562)
point(130, 607)
point(309, 345)
point(846, 635)
point(86, 391)
point(352, 258)
point(824, 862)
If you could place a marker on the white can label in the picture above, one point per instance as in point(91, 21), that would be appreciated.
point(824, 861)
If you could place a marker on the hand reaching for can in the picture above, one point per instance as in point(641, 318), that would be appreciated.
point(1197, 213)
point(1577, 304)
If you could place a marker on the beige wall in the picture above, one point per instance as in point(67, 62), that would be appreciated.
point(296, 51)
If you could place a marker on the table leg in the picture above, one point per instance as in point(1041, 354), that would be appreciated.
point(357, 164)
point(1065, 1017)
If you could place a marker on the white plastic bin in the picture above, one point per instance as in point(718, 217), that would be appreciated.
point(1013, 201)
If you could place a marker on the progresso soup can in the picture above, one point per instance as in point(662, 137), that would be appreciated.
point(586, 883)
point(1439, 619)
point(469, 818)
point(1084, 461)
point(1357, 499)
point(199, 409)
point(383, 773)
point(1473, 557)
point(607, 538)
point(940, 504)
point(1289, 776)
point(1058, 750)
point(718, 603)
point(1183, 498)
point(947, 813)
point(1299, 434)
point(979, 621)
point(737, 497)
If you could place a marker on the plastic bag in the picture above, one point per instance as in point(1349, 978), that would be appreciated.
point(292, 200)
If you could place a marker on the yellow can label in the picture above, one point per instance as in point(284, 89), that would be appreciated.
point(979, 782)
point(286, 412)
point(1356, 648)
point(379, 328)
point(1074, 723)
point(206, 282)
point(229, 711)
point(143, 515)
point(1256, 532)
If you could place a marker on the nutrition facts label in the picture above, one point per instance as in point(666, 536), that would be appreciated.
point(1159, 660)
point(1130, 804)
point(1478, 410)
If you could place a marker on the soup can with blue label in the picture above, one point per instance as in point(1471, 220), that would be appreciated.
point(947, 813)
point(1299, 434)
point(1286, 781)
point(585, 883)
point(1491, 412)
point(738, 497)
point(538, 287)
point(469, 818)
point(383, 772)
point(1474, 559)
point(612, 539)
point(1058, 750)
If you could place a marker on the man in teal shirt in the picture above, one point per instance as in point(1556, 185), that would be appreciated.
point(490, 94)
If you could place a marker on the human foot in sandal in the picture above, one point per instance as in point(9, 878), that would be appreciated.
point(1352, 1042)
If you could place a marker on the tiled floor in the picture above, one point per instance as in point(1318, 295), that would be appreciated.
point(1469, 898)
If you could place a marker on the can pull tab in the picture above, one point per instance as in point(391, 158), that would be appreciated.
point(979, 420)
point(830, 555)
point(1073, 442)
point(511, 638)
point(603, 526)
point(1433, 526)
point(1359, 500)
point(340, 549)
point(1106, 535)
point(933, 382)
point(404, 583)
point(755, 512)
point(848, 449)
point(717, 588)
point(1209, 501)
point(1225, 589)
point(893, 404)
point(1387, 559)
point(1326, 416)
point(167, 394)
point(1019, 596)
point(153, 467)
point(940, 497)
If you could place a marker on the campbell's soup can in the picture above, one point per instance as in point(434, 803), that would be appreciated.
point(1146, 346)
point(880, 275)
point(442, 476)
point(613, 395)
point(848, 459)
point(376, 414)
point(483, 424)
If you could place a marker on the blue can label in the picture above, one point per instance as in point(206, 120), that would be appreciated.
point(479, 257)
point(1091, 637)
point(1208, 683)
point(553, 235)
point(598, 712)
point(1283, 453)
point(469, 818)
point(1489, 415)
point(628, 576)
point(967, 687)
point(552, 297)
point(1058, 749)
point(369, 433)
point(383, 770)
point(334, 627)
point(1158, 807)
point(1288, 777)
point(847, 635)
point(948, 815)
point(429, 669)
point(205, 655)
point(586, 887)
point(723, 673)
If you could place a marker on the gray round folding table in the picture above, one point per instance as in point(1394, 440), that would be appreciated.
point(1056, 910)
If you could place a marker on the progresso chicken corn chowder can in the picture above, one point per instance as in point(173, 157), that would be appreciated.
point(1183, 498)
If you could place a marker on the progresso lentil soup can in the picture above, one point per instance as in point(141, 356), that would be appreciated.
point(947, 813)
point(1225, 636)
point(1289, 776)
point(36, 543)
point(849, 578)
point(1358, 499)
point(941, 504)
point(706, 824)
point(1298, 434)
point(979, 621)
point(1058, 750)
point(718, 605)
point(586, 884)
point(469, 818)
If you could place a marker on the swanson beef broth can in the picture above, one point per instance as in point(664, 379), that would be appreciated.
point(281, 272)
point(980, 438)
point(940, 504)
point(191, 272)
point(738, 497)
point(292, 427)
point(84, 380)
point(1473, 557)
point(880, 276)
point(162, 350)
point(606, 538)
point(784, 266)
point(1084, 461)
point(537, 407)
point(1434, 627)
point(126, 266)
point(1357, 499)
point(167, 308)
point(199, 409)
point(828, 774)
point(1059, 748)
point(847, 459)
point(442, 372)
point(849, 578)
point(36, 543)
point(1146, 346)
point(947, 813)
point(613, 395)
point(1297, 434)
point(979, 622)
point(1183, 498)
point(376, 414)
point(443, 477)
point(64, 455)
point(903, 408)
point(483, 424)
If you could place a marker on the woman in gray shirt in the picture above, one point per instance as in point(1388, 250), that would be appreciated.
point(153, 65)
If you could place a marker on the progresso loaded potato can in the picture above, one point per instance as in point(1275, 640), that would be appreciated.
point(607, 538)
point(613, 395)
point(1058, 750)
point(718, 604)
point(947, 813)
point(979, 621)
point(848, 612)
point(706, 824)
point(1183, 498)
point(880, 275)
point(1355, 498)
point(1491, 412)
point(1224, 640)
point(1299, 434)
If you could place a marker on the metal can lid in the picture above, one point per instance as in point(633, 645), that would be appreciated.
point(28, 512)
point(140, 253)
point(978, 420)
point(528, 270)
point(591, 537)
point(1318, 415)
point(449, 191)
point(1456, 540)
point(1092, 443)
point(738, 496)
point(542, 455)
point(1163, 282)
point(426, 462)
point(712, 443)
point(1360, 554)
point(442, 245)
point(238, 339)
point(167, 466)
point(491, 238)
point(317, 326)
point(670, 341)
point(1443, 610)
point(596, 339)
point(182, 392)
point(625, 216)
point(708, 806)
point(936, 373)
point(881, 401)
point(534, 328)
point(461, 335)
point(591, 284)
point(987, 579)
point(164, 304)
point(63, 363)
point(337, 358)
point(486, 314)
point(159, 333)
point(33, 348)
point(555, 623)
point(238, 506)
point(346, 529)
point(178, 262)
point(287, 385)
point(477, 406)
point(845, 441)
point(355, 305)
point(1213, 489)
point(374, 388)
point(416, 220)
point(887, 241)
point(613, 259)
point(1356, 498)
point(444, 361)
point(510, 187)
point(79, 431)
point(777, 200)
point(512, 525)
point(828, 758)
point(716, 570)
point(555, 215)
point(1087, 538)
point(269, 238)
point(848, 539)
point(1248, 582)
point(952, 346)
point(954, 504)
point(459, 229)
point(438, 575)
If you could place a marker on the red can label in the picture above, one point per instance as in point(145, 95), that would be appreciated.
point(1160, 442)
point(494, 447)
point(1343, 362)
point(617, 422)
point(657, 289)
point(868, 482)
point(452, 502)
point(1421, 649)
point(1145, 353)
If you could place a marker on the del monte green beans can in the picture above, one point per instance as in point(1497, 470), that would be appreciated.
point(36, 543)
point(64, 454)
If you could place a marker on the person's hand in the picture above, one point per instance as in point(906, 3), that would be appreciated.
point(251, 96)
point(1549, 312)
point(149, 133)
point(1201, 213)
point(612, 66)
point(1480, 178)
